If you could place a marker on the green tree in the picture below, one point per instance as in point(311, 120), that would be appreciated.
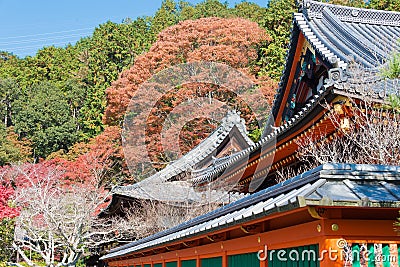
point(14, 69)
point(43, 115)
point(9, 65)
point(167, 15)
point(9, 153)
point(7, 237)
point(208, 8)
point(392, 5)
point(112, 48)
point(392, 69)
point(277, 22)
point(250, 11)
point(75, 93)
point(49, 64)
point(9, 91)
point(54, 64)
point(82, 72)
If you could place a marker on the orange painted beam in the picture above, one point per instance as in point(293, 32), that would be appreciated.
point(353, 229)
point(288, 237)
point(299, 48)
point(324, 232)
point(282, 150)
point(224, 259)
point(330, 254)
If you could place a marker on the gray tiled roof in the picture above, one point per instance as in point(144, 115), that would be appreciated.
point(156, 185)
point(214, 171)
point(178, 192)
point(340, 35)
point(335, 33)
point(328, 185)
point(370, 36)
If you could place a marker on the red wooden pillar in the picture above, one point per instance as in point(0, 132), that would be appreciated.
point(330, 254)
point(224, 260)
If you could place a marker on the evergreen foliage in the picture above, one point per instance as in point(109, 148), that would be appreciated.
point(7, 236)
point(392, 70)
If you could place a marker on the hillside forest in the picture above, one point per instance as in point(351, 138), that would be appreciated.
point(62, 109)
point(55, 104)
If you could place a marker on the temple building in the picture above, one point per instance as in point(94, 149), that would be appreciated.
point(319, 218)
point(327, 42)
point(337, 214)
point(173, 183)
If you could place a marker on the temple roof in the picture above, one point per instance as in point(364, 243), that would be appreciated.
point(329, 185)
point(342, 36)
point(337, 32)
point(231, 124)
point(176, 192)
point(165, 186)
point(266, 141)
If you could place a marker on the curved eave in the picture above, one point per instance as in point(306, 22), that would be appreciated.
point(266, 146)
point(114, 204)
point(203, 151)
point(353, 184)
point(290, 56)
point(377, 91)
point(318, 42)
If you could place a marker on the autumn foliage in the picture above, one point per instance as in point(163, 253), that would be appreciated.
point(59, 201)
point(233, 42)
point(102, 157)
point(230, 41)
point(6, 193)
point(86, 169)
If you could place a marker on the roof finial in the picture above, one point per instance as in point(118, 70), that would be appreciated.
point(233, 116)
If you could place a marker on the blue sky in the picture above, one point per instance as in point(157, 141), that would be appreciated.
point(28, 25)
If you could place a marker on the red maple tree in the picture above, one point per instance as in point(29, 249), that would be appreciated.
point(6, 194)
point(233, 42)
point(230, 41)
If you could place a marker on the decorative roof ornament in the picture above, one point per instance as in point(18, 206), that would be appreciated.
point(338, 31)
point(233, 118)
point(336, 77)
point(355, 12)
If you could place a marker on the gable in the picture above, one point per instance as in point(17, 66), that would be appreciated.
point(332, 36)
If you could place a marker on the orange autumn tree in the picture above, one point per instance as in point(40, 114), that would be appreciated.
point(234, 42)
point(102, 156)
